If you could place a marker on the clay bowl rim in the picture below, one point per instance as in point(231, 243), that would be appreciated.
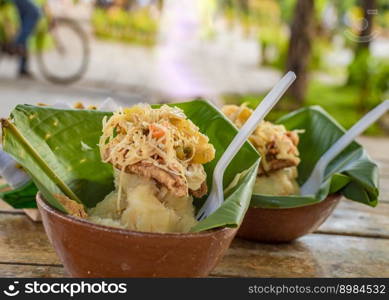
point(333, 195)
point(68, 218)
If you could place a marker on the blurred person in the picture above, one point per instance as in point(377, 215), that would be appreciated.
point(29, 14)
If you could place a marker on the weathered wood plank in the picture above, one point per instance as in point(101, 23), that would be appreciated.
point(375, 146)
point(355, 219)
point(384, 189)
point(12, 270)
point(316, 255)
point(4, 206)
point(23, 241)
point(383, 169)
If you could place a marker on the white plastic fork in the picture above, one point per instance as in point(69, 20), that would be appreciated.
point(312, 185)
point(216, 196)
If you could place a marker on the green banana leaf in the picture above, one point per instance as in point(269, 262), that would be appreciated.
point(22, 197)
point(58, 148)
point(352, 173)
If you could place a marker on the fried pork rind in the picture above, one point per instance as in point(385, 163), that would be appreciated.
point(72, 207)
point(161, 144)
point(172, 181)
point(277, 146)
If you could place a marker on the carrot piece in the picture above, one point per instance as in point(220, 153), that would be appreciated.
point(156, 132)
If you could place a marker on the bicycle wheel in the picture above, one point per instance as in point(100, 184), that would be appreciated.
point(63, 51)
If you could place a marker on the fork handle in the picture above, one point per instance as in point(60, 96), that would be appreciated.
point(240, 138)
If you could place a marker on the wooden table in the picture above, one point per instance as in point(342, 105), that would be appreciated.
point(353, 242)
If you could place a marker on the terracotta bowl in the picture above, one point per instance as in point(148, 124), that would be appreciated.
point(91, 250)
point(278, 225)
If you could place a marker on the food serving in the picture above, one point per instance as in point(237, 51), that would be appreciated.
point(277, 174)
point(138, 173)
point(158, 156)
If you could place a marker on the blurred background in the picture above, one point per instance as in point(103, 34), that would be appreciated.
point(227, 51)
